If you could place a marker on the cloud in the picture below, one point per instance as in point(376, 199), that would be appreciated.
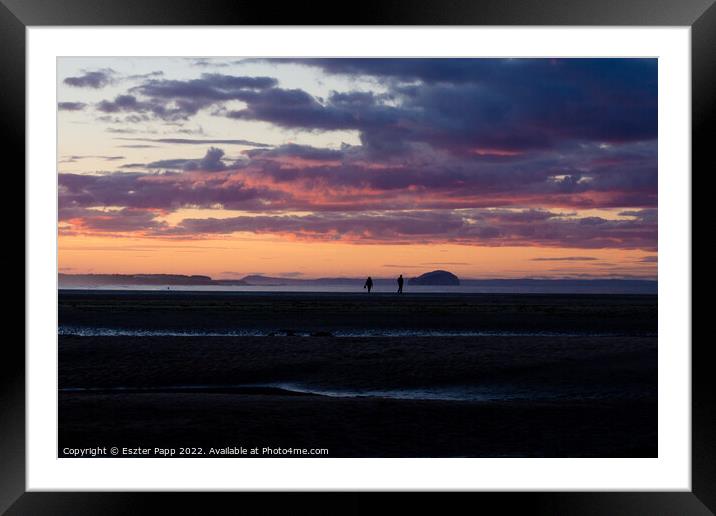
point(467, 151)
point(429, 70)
point(445, 263)
point(71, 106)
point(308, 178)
point(296, 108)
point(481, 108)
point(128, 103)
point(211, 162)
point(650, 214)
point(205, 62)
point(179, 100)
point(156, 73)
point(92, 79)
point(197, 141)
point(565, 259)
point(161, 191)
point(211, 86)
point(236, 190)
point(476, 227)
point(121, 130)
point(292, 150)
point(75, 158)
point(434, 179)
point(483, 101)
point(111, 221)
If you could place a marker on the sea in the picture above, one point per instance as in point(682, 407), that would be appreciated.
point(551, 287)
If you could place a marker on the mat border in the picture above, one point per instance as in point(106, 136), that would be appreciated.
point(16, 15)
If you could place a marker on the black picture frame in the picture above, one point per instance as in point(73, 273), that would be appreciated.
point(16, 15)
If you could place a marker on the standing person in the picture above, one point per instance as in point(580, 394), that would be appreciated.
point(368, 284)
point(400, 284)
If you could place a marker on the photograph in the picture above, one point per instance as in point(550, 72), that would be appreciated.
point(357, 257)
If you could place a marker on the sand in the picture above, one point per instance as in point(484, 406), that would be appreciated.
point(330, 312)
point(545, 396)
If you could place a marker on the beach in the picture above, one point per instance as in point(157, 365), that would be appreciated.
point(360, 376)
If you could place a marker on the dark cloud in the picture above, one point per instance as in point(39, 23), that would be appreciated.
point(475, 118)
point(121, 130)
point(296, 151)
point(71, 106)
point(615, 73)
point(477, 183)
point(178, 100)
point(485, 226)
point(479, 107)
point(110, 220)
point(210, 87)
point(478, 227)
point(330, 226)
point(211, 162)
point(609, 100)
point(92, 79)
point(167, 191)
point(445, 263)
point(205, 62)
point(197, 141)
point(602, 99)
point(297, 109)
point(130, 104)
point(649, 215)
point(566, 259)
point(156, 73)
point(75, 158)
point(430, 70)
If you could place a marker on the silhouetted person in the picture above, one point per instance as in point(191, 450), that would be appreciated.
point(368, 284)
point(400, 284)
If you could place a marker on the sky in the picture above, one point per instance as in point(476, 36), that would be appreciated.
point(488, 168)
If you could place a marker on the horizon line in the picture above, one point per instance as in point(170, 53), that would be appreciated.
point(360, 278)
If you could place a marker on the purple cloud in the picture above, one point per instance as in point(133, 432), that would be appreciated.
point(477, 227)
point(92, 79)
point(71, 106)
point(197, 141)
point(566, 259)
point(211, 162)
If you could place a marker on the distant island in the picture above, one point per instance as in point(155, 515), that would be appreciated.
point(118, 280)
point(436, 278)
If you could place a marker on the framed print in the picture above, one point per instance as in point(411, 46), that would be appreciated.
point(432, 249)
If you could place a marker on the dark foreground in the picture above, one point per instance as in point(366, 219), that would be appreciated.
point(416, 396)
point(316, 312)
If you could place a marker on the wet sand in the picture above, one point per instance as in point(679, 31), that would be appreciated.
point(543, 396)
point(360, 427)
point(331, 312)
